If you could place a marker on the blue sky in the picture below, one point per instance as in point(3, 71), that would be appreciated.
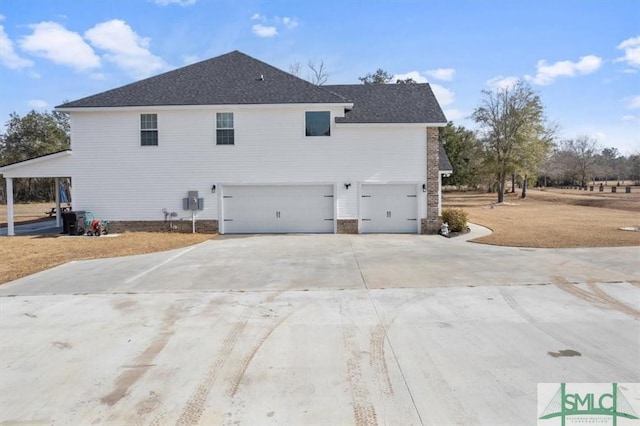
point(582, 57)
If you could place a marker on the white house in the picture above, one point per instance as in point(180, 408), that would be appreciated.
point(267, 152)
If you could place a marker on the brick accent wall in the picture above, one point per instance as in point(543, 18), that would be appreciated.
point(431, 224)
point(184, 226)
point(347, 226)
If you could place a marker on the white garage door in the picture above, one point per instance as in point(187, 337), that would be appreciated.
point(278, 209)
point(389, 208)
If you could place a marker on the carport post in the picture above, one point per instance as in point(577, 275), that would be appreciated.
point(57, 192)
point(10, 230)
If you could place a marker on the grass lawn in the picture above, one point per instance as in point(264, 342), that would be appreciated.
point(553, 218)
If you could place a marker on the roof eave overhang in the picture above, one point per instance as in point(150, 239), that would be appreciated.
point(369, 124)
point(345, 105)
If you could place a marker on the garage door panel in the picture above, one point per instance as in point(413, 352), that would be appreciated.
point(389, 208)
point(278, 209)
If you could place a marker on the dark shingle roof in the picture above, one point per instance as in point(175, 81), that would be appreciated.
point(237, 79)
point(230, 79)
point(445, 164)
point(390, 103)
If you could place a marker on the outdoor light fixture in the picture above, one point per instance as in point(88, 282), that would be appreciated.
point(347, 185)
point(213, 189)
point(424, 187)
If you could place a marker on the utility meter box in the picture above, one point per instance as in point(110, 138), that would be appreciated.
point(192, 202)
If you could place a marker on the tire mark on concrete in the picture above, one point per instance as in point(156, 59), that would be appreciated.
point(246, 360)
point(379, 339)
point(194, 408)
point(597, 296)
point(559, 336)
point(144, 361)
point(363, 410)
point(612, 301)
point(378, 360)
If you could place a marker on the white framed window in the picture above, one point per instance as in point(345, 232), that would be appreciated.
point(224, 129)
point(317, 123)
point(148, 129)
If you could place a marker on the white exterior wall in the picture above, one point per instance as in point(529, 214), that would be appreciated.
point(117, 179)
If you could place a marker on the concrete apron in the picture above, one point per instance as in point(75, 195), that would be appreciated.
point(316, 330)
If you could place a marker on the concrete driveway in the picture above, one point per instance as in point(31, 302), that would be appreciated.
point(317, 329)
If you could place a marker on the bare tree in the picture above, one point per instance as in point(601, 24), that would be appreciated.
point(582, 153)
point(295, 69)
point(319, 74)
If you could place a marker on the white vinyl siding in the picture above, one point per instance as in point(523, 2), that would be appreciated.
point(128, 183)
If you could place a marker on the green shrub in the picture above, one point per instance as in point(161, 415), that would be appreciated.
point(456, 219)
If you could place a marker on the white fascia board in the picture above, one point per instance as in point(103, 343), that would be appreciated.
point(369, 125)
point(345, 105)
point(36, 160)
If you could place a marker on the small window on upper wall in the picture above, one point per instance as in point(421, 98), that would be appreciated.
point(148, 129)
point(224, 129)
point(318, 123)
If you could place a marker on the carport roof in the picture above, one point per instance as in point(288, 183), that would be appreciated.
point(53, 168)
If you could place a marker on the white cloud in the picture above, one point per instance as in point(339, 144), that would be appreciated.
point(443, 95)
point(634, 102)
point(125, 48)
point(9, 57)
point(1, 17)
point(414, 75)
point(289, 22)
point(630, 118)
point(180, 2)
point(38, 104)
point(256, 16)
point(54, 42)
point(444, 74)
point(500, 82)
point(631, 47)
point(548, 73)
point(453, 114)
point(264, 31)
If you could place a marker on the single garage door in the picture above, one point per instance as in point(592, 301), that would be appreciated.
point(278, 209)
point(389, 208)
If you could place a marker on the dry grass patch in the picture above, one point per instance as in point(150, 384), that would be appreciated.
point(552, 219)
point(25, 213)
point(25, 255)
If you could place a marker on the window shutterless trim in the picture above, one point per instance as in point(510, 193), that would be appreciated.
point(225, 133)
point(317, 123)
point(149, 129)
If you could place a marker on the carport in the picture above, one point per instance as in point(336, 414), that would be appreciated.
point(56, 165)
